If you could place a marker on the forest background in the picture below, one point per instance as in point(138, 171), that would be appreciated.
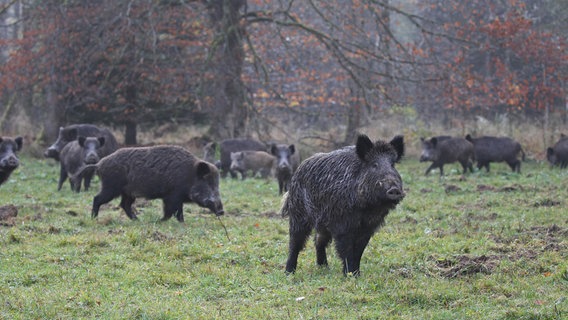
point(310, 72)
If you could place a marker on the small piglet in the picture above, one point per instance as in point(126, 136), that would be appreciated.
point(8, 159)
point(169, 173)
point(344, 195)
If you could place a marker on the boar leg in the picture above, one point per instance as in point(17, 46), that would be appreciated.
point(434, 165)
point(62, 177)
point(105, 196)
point(350, 248)
point(88, 176)
point(322, 239)
point(515, 165)
point(126, 202)
point(298, 236)
point(173, 206)
point(465, 165)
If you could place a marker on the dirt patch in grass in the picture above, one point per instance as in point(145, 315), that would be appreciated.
point(465, 265)
point(272, 215)
point(539, 238)
point(528, 244)
point(482, 217)
point(546, 203)
point(160, 237)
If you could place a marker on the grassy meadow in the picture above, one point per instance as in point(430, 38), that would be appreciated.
point(484, 246)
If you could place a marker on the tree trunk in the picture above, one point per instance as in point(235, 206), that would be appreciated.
point(224, 96)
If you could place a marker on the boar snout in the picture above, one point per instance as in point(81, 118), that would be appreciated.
point(50, 153)
point(215, 207)
point(395, 193)
point(10, 162)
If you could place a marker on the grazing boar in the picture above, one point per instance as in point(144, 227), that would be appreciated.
point(255, 161)
point(74, 156)
point(169, 173)
point(225, 149)
point(558, 154)
point(447, 151)
point(497, 149)
point(344, 195)
point(288, 160)
point(71, 132)
point(8, 159)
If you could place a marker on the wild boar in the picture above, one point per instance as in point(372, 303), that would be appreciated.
point(447, 151)
point(288, 160)
point(170, 173)
point(497, 149)
point(71, 132)
point(8, 156)
point(74, 156)
point(558, 154)
point(226, 147)
point(256, 161)
point(344, 195)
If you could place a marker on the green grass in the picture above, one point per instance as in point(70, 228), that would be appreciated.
point(487, 246)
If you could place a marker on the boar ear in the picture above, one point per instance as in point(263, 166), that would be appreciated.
point(202, 169)
point(468, 137)
point(422, 139)
point(434, 141)
point(363, 146)
point(70, 134)
point(562, 136)
point(549, 151)
point(398, 144)
point(274, 149)
point(81, 140)
point(292, 149)
point(19, 143)
point(102, 141)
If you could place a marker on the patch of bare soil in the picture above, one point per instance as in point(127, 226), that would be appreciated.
point(482, 217)
point(546, 203)
point(465, 265)
point(272, 214)
point(484, 187)
point(160, 237)
point(452, 188)
point(511, 188)
point(8, 214)
point(527, 244)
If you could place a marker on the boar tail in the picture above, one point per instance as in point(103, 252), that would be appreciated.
point(284, 207)
point(81, 171)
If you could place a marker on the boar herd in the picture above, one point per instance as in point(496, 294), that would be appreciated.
point(344, 195)
point(442, 150)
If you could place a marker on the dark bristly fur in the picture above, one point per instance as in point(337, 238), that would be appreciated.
point(71, 132)
point(288, 160)
point(75, 155)
point(344, 195)
point(169, 173)
point(8, 159)
point(558, 154)
point(447, 150)
point(497, 149)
